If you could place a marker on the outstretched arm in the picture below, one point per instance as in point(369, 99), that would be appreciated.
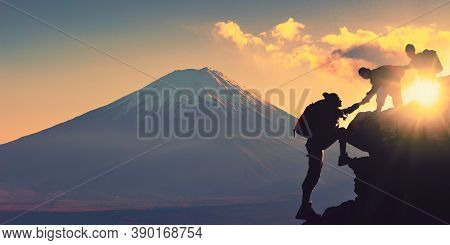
point(350, 109)
point(369, 95)
point(409, 65)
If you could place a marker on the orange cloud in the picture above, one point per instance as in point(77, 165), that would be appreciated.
point(384, 47)
point(289, 30)
point(273, 40)
point(346, 39)
point(306, 54)
point(232, 31)
point(444, 36)
point(283, 43)
point(271, 47)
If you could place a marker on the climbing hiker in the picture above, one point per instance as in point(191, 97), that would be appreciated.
point(385, 81)
point(320, 124)
point(426, 63)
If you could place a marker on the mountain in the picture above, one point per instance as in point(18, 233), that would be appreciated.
point(101, 161)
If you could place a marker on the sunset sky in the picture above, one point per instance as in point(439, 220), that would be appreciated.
point(47, 77)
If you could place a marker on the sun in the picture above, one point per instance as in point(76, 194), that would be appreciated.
point(426, 92)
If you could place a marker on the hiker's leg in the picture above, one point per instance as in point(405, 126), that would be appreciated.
point(396, 94)
point(313, 175)
point(342, 137)
point(381, 98)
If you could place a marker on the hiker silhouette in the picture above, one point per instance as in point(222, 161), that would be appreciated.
point(385, 81)
point(427, 63)
point(321, 118)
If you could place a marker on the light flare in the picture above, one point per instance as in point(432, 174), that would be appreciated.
point(426, 92)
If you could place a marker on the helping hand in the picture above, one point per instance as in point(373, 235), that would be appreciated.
point(363, 102)
point(355, 106)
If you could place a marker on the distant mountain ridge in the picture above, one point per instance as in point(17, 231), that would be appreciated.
point(183, 172)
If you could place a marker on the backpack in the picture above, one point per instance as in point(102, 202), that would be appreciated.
point(309, 117)
point(430, 59)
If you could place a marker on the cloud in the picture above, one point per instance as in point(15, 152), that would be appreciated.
point(444, 35)
point(383, 48)
point(272, 40)
point(329, 66)
point(271, 47)
point(361, 44)
point(232, 31)
point(346, 39)
point(282, 44)
point(342, 67)
point(371, 53)
point(336, 54)
point(306, 54)
point(289, 30)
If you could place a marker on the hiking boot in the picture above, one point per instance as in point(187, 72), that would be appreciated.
point(344, 160)
point(306, 212)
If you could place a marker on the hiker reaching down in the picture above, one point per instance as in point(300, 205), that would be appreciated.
point(385, 81)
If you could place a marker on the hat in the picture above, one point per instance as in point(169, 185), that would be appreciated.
point(331, 96)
